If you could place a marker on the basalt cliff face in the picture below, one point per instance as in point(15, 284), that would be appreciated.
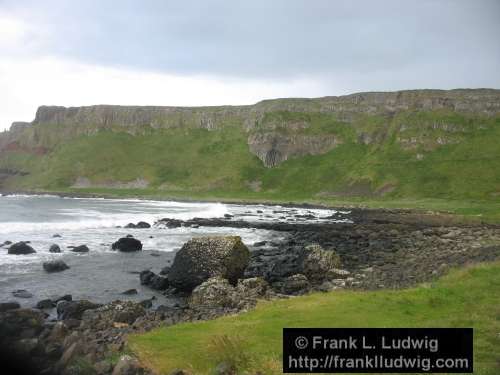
point(275, 131)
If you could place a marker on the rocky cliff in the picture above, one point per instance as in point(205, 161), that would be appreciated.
point(275, 131)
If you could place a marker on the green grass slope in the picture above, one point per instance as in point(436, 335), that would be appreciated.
point(410, 155)
point(253, 340)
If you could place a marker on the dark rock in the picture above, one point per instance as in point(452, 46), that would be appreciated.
point(74, 309)
point(130, 292)
point(80, 249)
point(170, 223)
point(54, 249)
point(146, 303)
point(55, 266)
point(21, 248)
point(22, 293)
point(45, 304)
point(130, 226)
point(66, 297)
point(56, 236)
point(154, 281)
point(260, 243)
point(205, 257)
point(129, 236)
point(5, 306)
point(165, 270)
point(21, 323)
point(143, 225)
point(6, 243)
point(127, 245)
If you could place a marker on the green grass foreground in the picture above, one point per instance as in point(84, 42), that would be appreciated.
point(467, 297)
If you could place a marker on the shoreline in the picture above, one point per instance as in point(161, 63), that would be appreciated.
point(358, 209)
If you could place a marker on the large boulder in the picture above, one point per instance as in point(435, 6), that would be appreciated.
point(213, 293)
point(127, 244)
point(55, 266)
point(106, 316)
point(319, 264)
point(205, 257)
point(20, 248)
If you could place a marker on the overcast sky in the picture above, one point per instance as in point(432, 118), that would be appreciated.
point(210, 52)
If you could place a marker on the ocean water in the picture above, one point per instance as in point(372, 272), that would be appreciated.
point(102, 274)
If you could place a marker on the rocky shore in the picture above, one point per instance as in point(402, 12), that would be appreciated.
point(214, 276)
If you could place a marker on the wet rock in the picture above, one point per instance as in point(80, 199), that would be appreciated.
point(139, 225)
point(22, 293)
point(55, 266)
point(130, 291)
point(260, 243)
point(170, 223)
point(6, 243)
point(146, 303)
point(5, 306)
point(45, 304)
point(205, 257)
point(54, 249)
point(66, 297)
point(165, 270)
point(74, 309)
point(153, 280)
point(21, 248)
point(56, 236)
point(127, 244)
point(80, 249)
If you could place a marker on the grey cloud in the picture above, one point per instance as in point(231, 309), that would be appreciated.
point(436, 42)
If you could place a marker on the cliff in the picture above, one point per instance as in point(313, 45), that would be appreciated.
point(412, 124)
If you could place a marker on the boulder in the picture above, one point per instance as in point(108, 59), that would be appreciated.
point(21, 248)
point(5, 306)
point(74, 309)
point(127, 244)
point(214, 293)
point(80, 249)
point(54, 249)
point(6, 243)
point(153, 280)
point(205, 257)
point(318, 263)
point(55, 266)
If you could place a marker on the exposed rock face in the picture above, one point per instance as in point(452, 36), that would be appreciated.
point(21, 248)
point(274, 149)
point(270, 144)
point(205, 257)
point(127, 244)
point(318, 263)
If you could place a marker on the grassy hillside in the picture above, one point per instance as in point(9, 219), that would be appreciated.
point(252, 341)
point(411, 155)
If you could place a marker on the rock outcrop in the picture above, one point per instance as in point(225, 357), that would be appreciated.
point(205, 257)
point(127, 244)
